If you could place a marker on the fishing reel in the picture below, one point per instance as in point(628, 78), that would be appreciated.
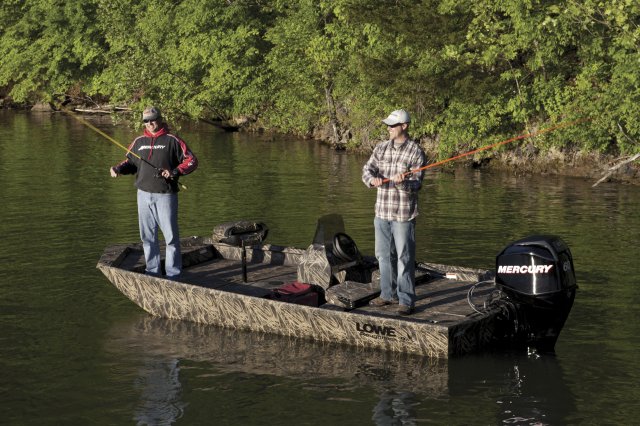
point(173, 174)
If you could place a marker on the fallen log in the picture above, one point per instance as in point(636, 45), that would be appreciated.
point(612, 169)
point(615, 167)
point(101, 111)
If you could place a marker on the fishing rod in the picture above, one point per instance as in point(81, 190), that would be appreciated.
point(112, 140)
point(486, 147)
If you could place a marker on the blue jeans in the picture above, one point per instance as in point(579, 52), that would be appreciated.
point(396, 254)
point(159, 210)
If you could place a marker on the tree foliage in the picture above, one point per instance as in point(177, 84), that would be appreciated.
point(470, 72)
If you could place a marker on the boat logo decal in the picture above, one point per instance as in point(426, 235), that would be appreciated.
point(379, 332)
point(524, 269)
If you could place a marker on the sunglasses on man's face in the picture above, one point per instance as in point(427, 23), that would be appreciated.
point(394, 125)
point(149, 121)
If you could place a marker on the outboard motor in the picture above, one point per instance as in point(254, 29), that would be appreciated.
point(536, 273)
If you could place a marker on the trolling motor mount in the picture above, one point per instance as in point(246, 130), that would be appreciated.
point(242, 233)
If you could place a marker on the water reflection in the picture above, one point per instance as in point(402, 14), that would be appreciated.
point(256, 353)
point(169, 343)
point(525, 389)
point(396, 408)
point(528, 389)
point(160, 392)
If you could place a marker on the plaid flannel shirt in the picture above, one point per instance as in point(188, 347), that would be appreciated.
point(396, 202)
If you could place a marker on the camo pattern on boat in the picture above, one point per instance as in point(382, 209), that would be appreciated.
point(462, 274)
point(240, 233)
point(267, 253)
point(314, 268)
point(351, 294)
point(175, 300)
point(321, 267)
point(247, 307)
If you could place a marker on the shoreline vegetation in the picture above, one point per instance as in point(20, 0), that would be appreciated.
point(471, 73)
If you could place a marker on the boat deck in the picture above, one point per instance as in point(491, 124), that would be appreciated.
point(442, 301)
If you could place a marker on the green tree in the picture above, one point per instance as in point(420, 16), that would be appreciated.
point(49, 48)
point(553, 61)
point(470, 72)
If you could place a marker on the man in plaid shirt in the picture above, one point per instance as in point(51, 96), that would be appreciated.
point(389, 169)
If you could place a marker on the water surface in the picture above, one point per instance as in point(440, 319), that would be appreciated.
point(73, 350)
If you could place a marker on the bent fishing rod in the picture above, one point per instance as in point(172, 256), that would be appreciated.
point(494, 145)
point(112, 140)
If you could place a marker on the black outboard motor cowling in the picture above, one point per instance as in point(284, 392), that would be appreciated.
point(536, 273)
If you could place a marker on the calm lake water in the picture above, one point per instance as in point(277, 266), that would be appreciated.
point(74, 351)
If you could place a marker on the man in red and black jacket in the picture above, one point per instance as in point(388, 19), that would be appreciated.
point(158, 158)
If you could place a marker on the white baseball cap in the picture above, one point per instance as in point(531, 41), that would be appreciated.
point(397, 117)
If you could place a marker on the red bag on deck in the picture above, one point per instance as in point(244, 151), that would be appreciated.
point(296, 292)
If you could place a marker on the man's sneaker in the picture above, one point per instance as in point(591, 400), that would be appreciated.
point(405, 310)
point(379, 301)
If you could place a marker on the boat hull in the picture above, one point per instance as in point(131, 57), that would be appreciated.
point(251, 310)
point(170, 299)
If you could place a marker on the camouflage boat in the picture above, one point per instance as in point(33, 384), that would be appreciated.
point(235, 280)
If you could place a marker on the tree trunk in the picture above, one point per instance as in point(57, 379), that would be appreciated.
point(333, 118)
